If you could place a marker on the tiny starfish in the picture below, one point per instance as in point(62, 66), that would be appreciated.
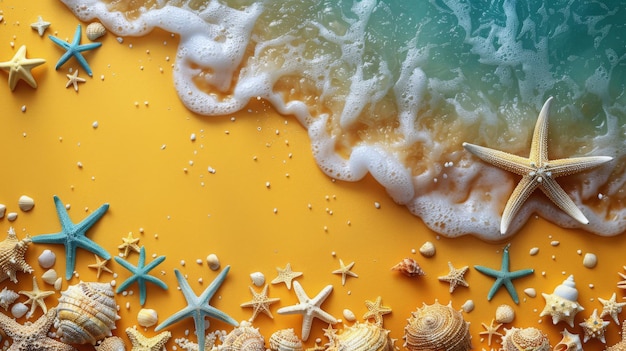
point(594, 327)
point(143, 343)
point(345, 271)
point(198, 306)
point(74, 79)
point(286, 276)
point(537, 171)
point(40, 26)
point(622, 284)
point(129, 244)
point(455, 277)
point(376, 310)
point(309, 308)
point(490, 331)
point(35, 298)
point(504, 276)
point(100, 265)
point(19, 67)
point(611, 308)
point(72, 236)
point(13, 252)
point(621, 345)
point(32, 336)
point(74, 49)
point(140, 274)
point(260, 303)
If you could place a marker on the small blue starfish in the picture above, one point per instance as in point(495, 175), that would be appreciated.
point(72, 236)
point(74, 49)
point(198, 306)
point(504, 276)
point(140, 274)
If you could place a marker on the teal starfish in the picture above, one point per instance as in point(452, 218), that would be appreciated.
point(72, 236)
point(140, 274)
point(198, 306)
point(74, 49)
point(504, 276)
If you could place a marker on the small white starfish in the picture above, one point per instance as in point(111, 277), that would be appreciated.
point(537, 171)
point(345, 271)
point(74, 79)
point(309, 308)
point(40, 26)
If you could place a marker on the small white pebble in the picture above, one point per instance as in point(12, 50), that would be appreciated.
point(468, 306)
point(211, 170)
point(192, 137)
point(531, 292)
point(554, 243)
point(200, 280)
point(113, 282)
point(590, 260)
point(19, 310)
point(95, 125)
point(377, 205)
point(12, 216)
point(79, 164)
point(128, 305)
point(182, 263)
point(213, 261)
point(591, 286)
point(23, 108)
point(534, 251)
point(580, 252)
point(349, 315)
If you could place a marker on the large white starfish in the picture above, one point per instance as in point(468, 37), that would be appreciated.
point(309, 308)
point(537, 171)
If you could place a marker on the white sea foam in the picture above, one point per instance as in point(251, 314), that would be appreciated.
point(394, 90)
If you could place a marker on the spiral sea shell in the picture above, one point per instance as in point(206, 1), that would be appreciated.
point(7, 297)
point(362, 337)
point(562, 304)
point(95, 30)
point(437, 327)
point(243, 338)
point(285, 340)
point(86, 313)
point(525, 339)
point(408, 267)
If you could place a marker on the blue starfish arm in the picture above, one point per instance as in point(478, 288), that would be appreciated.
point(157, 261)
point(511, 289)
point(89, 46)
point(213, 312)
point(128, 282)
point(200, 325)
point(522, 273)
point(59, 42)
point(156, 281)
point(488, 271)
point(208, 293)
point(122, 262)
point(180, 315)
point(57, 238)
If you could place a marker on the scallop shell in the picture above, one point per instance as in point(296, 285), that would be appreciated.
point(243, 338)
point(505, 314)
point(147, 317)
point(525, 339)
point(86, 313)
point(95, 30)
point(408, 267)
point(113, 343)
point(285, 340)
point(437, 327)
point(25, 203)
point(562, 304)
point(569, 342)
point(7, 297)
point(428, 249)
point(362, 337)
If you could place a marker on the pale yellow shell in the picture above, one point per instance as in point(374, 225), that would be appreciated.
point(408, 267)
point(86, 313)
point(285, 340)
point(95, 30)
point(12, 253)
point(437, 327)
point(147, 317)
point(362, 337)
point(243, 338)
point(113, 343)
point(525, 339)
point(505, 314)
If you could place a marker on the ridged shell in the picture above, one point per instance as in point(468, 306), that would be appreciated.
point(113, 343)
point(437, 327)
point(7, 297)
point(243, 338)
point(567, 289)
point(525, 339)
point(12, 253)
point(562, 304)
point(569, 342)
point(95, 30)
point(147, 317)
point(408, 267)
point(285, 340)
point(362, 337)
point(505, 314)
point(86, 313)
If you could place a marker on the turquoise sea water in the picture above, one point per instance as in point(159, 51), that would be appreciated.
point(394, 88)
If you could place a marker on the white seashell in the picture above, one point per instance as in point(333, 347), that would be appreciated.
point(437, 327)
point(58, 284)
point(112, 343)
point(7, 297)
point(505, 314)
point(408, 267)
point(95, 30)
point(87, 313)
point(47, 259)
point(285, 340)
point(533, 251)
point(468, 306)
point(213, 261)
point(3, 210)
point(147, 317)
point(50, 276)
point(19, 310)
point(531, 292)
point(12, 216)
point(569, 342)
point(525, 339)
point(590, 260)
point(428, 249)
point(562, 304)
point(567, 289)
point(349, 315)
point(258, 278)
point(362, 337)
point(243, 338)
point(26, 203)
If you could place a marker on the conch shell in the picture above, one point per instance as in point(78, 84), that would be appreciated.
point(362, 337)
point(408, 267)
point(285, 340)
point(525, 339)
point(12, 253)
point(7, 297)
point(437, 327)
point(562, 304)
point(243, 338)
point(569, 342)
point(86, 313)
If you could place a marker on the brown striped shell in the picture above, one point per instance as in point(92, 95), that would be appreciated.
point(437, 327)
point(285, 340)
point(86, 313)
point(243, 338)
point(362, 337)
point(525, 339)
point(409, 267)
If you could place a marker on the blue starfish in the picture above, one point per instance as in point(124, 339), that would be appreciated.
point(504, 276)
point(198, 306)
point(140, 274)
point(74, 49)
point(72, 236)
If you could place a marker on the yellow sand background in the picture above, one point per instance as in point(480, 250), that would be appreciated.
point(135, 161)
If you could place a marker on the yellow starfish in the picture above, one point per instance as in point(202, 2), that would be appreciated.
point(35, 298)
point(143, 343)
point(100, 265)
point(260, 303)
point(345, 271)
point(129, 243)
point(286, 276)
point(537, 171)
point(376, 310)
point(19, 67)
point(74, 79)
point(455, 277)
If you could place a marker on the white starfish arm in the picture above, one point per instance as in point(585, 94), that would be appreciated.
point(567, 166)
point(512, 163)
point(294, 309)
point(325, 316)
point(553, 190)
point(317, 300)
point(300, 294)
point(539, 144)
point(520, 194)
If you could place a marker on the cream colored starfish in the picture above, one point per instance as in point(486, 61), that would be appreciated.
point(620, 346)
point(32, 336)
point(490, 331)
point(376, 310)
point(594, 327)
point(260, 303)
point(455, 277)
point(611, 308)
point(286, 276)
point(40, 26)
point(537, 171)
point(100, 266)
point(129, 243)
point(143, 343)
point(345, 271)
point(36, 298)
point(309, 308)
point(19, 67)
point(74, 79)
